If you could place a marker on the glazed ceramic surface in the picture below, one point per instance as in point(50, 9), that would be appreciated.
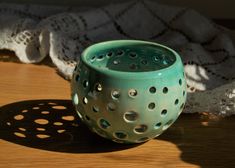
point(129, 91)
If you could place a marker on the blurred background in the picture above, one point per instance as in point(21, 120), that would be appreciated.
point(215, 9)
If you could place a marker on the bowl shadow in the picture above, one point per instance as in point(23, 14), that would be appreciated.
point(51, 125)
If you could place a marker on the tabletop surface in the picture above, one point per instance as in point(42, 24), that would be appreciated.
point(39, 128)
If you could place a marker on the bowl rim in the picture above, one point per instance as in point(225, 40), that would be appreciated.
point(130, 74)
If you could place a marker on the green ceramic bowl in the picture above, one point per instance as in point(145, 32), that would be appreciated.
point(129, 91)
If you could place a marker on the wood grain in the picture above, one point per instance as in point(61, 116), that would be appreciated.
point(39, 128)
point(27, 81)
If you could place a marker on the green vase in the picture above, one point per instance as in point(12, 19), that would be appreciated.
point(129, 91)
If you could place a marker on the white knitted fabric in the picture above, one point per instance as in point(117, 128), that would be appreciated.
point(34, 32)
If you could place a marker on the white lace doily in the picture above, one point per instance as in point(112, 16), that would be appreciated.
point(34, 32)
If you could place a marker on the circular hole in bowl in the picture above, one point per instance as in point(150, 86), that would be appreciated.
point(85, 83)
point(140, 129)
point(176, 101)
point(120, 52)
point(100, 57)
point(104, 124)
point(167, 125)
point(93, 58)
point(164, 62)
point(75, 99)
point(144, 62)
point(180, 82)
point(158, 125)
point(183, 93)
point(132, 93)
point(98, 87)
point(95, 109)
point(76, 67)
point(152, 90)
point(165, 90)
point(157, 58)
point(77, 77)
point(143, 139)
point(87, 118)
point(85, 100)
point(111, 106)
point(164, 112)
point(99, 132)
point(116, 62)
point(182, 106)
point(120, 135)
point(79, 114)
point(151, 106)
point(133, 66)
point(130, 116)
point(117, 141)
point(132, 55)
point(115, 94)
point(109, 54)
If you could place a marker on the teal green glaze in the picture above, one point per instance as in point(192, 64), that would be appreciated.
point(129, 91)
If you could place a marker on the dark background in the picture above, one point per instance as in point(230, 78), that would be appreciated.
point(211, 8)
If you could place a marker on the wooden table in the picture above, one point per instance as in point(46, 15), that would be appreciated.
point(39, 128)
